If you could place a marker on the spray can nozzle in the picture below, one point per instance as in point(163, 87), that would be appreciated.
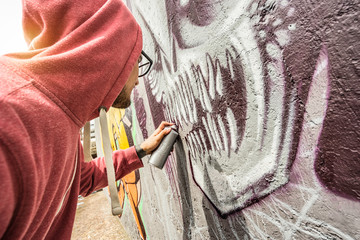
point(159, 156)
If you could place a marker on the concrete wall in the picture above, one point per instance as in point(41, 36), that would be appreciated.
point(266, 98)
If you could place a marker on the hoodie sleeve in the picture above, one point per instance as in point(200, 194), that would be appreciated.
point(93, 174)
point(7, 186)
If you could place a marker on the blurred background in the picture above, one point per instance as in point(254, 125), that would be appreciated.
point(11, 39)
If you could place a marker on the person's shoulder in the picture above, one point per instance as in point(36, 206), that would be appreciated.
point(11, 79)
point(13, 103)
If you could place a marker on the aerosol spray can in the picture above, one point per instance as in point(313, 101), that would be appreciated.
point(159, 156)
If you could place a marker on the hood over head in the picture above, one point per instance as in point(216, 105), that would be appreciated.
point(80, 53)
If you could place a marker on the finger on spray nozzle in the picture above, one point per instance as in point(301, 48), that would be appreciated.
point(160, 155)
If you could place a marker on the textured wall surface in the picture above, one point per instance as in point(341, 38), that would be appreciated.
point(266, 98)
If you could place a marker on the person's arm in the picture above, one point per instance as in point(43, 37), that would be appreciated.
point(8, 190)
point(93, 174)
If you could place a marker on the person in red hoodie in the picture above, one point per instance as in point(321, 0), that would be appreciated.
point(81, 57)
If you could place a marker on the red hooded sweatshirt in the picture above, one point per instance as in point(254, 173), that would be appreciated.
point(80, 56)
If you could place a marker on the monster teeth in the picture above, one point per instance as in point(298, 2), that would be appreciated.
point(284, 3)
point(204, 92)
point(180, 100)
point(176, 102)
point(229, 60)
point(202, 84)
point(201, 148)
point(186, 95)
point(218, 79)
point(282, 37)
point(169, 99)
point(223, 133)
point(274, 50)
point(178, 111)
point(183, 3)
point(198, 151)
point(155, 88)
point(211, 79)
point(171, 105)
point(172, 108)
point(197, 146)
point(199, 83)
point(190, 90)
point(167, 113)
point(206, 126)
point(196, 86)
point(193, 84)
point(158, 97)
point(152, 84)
point(191, 147)
point(214, 132)
point(202, 137)
point(194, 109)
point(232, 128)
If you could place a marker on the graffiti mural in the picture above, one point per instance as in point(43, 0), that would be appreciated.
point(265, 95)
point(236, 105)
point(120, 126)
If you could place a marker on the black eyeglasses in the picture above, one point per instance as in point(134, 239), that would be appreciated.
point(145, 64)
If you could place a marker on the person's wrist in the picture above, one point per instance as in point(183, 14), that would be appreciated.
point(139, 151)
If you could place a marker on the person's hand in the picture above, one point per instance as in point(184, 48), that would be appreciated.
point(150, 144)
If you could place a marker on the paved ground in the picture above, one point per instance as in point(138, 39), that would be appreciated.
point(93, 220)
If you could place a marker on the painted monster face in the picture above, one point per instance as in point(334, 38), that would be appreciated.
point(221, 76)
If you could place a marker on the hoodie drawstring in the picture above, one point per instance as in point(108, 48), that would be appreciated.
point(86, 142)
point(115, 203)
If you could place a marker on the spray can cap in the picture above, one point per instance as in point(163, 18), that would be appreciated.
point(173, 127)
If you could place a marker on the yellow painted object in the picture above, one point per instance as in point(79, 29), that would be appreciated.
point(131, 182)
